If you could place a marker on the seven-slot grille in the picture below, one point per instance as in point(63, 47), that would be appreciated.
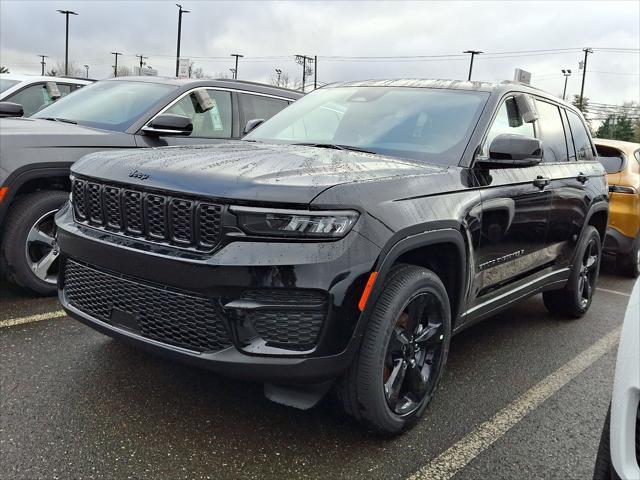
point(165, 219)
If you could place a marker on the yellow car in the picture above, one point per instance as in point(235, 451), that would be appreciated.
point(622, 162)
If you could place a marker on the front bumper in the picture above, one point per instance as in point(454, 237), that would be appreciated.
point(227, 284)
point(616, 242)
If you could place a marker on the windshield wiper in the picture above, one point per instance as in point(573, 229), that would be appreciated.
point(336, 146)
point(60, 119)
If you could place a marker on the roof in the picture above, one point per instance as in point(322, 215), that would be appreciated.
point(43, 78)
point(224, 82)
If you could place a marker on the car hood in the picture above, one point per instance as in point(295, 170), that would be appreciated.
point(35, 132)
point(255, 172)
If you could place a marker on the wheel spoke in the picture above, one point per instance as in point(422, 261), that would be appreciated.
point(418, 376)
point(393, 386)
point(41, 269)
point(591, 262)
point(399, 340)
point(38, 236)
point(430, 335)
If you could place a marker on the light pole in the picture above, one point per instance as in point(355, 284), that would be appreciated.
point(180, 12)
point(42, 62)
point(235, 70)
point(473, 54)
point(279, 72)
point(233, 73)
point(87, 68)
point(66, 13)
point(567, 74)
point(115, 67)
point(586, 51)
point(142, 59)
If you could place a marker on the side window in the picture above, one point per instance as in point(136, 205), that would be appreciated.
point(584, 150)
point(256, 106)
point(212, 123)
point(32, 98)
point(65, 89)
point(552, 132)
point(570, 144)
point(637, 155)
point(508, 121)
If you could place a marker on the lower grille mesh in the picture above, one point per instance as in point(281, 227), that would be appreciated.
point(168, 316)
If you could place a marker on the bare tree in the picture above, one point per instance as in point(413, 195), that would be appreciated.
point(74, 70)
point(124, 71)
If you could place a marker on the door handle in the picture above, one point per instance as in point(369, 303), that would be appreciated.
point(541, 182)
point(582, 178)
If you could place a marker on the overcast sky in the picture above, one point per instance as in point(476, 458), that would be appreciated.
point(328, 29)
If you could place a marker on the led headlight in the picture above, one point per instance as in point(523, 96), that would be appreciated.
point(295, 223)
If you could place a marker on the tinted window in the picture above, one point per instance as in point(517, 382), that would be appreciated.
point(612, 164)
point(567, 129)
point(212, 123)
point(110, 105)
point(552, 132)
point(584, 150)
point(6, 84)
point(255, 106)
point(418, 123)
point(36, 97)
point(508, 120)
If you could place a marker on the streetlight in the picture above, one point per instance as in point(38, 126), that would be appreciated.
point(42, 62)
point(87, 68)
point(567, 74)
point(279, 72)
point(233, 73)
point(473, 54)
point(235, 70)
point(66, 13)
point(180, 12)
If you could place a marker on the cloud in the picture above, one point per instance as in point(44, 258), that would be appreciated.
point(282, 29)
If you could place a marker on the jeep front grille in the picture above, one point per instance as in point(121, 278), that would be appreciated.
point(183, 319)
point(159, 218)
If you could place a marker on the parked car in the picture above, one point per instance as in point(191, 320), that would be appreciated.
point(33, 92)
point(619, 450)
point(128, 112)
point(348, 237)
point(622, 162)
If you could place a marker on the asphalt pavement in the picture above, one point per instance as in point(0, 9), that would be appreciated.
point(77, 404)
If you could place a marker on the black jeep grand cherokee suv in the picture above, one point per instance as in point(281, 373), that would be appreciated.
point(346, 238)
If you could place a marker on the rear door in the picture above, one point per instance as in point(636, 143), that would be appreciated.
point(569, 158)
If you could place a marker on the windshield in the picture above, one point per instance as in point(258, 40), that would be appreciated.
point(109, 105)
point(6, 84)
point(419, 123)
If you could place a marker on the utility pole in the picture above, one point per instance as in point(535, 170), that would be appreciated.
point(567, 74)
point(302, 60)
point(180, 12)
point(43, 63)
point(142, 59)
point(473, 54)
point(235, 70)
point(279, 72)
point(87, 68)
point(586, 51)
point(66, 13)
point(115, 67)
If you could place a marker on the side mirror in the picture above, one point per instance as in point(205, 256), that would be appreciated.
point(251, 124)
point(508, 150)
point(10, 109)
point(169, 124)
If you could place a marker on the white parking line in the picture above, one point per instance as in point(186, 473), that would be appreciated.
point(616, 292)
point(32, 318)
point(456, 457)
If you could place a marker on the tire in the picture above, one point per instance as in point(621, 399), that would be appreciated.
point(400, 343)
point(32, 211)
point(603, 469)
point(629, 264)
point(574, 300)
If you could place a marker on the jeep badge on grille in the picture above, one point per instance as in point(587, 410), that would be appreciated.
point(139, 175)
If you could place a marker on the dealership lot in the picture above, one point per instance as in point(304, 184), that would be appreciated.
point(76, 404)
